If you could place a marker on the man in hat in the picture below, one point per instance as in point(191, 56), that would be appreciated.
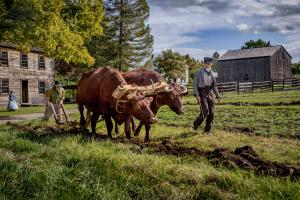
point(56, 96)
point(205, 90)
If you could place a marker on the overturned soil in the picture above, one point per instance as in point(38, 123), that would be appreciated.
point(243, 157)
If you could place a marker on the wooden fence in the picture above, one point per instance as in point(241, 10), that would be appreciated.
point(285, 84)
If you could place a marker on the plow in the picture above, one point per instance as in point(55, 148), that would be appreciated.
point(57, 116)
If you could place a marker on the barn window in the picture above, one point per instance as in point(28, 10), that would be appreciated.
point(4, 58)
point(246, 77)
point(41, 62)
point(42, 87)
point(24, 60)
point(4, 86)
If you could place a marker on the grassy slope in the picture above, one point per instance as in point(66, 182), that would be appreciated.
point(69, 167)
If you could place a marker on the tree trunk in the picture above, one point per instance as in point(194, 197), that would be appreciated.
point(121, 36)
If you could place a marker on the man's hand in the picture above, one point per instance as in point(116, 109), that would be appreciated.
point(198, 99)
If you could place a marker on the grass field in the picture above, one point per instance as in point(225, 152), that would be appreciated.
point(31, 109)
point(73, 167)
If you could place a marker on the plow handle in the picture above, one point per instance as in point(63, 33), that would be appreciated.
point(65, 112)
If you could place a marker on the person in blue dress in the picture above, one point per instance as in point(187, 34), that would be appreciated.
point(12, 104)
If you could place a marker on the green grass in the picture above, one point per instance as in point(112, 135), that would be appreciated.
point(28, 110)
point(274, 119)
point(71, 167)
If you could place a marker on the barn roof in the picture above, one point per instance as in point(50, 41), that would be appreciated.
point(14, 46)
point(251, 53)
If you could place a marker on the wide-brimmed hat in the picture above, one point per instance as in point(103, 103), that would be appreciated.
point(208, 60)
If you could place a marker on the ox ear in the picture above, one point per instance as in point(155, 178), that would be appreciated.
point(150, 99)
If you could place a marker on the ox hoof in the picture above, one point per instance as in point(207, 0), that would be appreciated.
point(147, 141)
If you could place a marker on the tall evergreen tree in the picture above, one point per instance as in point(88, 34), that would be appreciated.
point(127, 41)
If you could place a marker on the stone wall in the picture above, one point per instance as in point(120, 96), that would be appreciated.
point(33, 75)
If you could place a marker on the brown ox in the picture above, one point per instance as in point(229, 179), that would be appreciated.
point(171, 96)
point(95, 92)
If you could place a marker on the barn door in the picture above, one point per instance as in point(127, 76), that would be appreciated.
point(24, 91)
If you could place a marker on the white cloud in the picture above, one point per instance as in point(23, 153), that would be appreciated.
point(242, 27)
point(174, 21)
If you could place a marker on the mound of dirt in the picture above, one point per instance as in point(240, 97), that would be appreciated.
point(246, 158)
point(71, 128)
point(243, 157)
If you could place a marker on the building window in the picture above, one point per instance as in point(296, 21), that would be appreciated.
point(24, 60)
point(4, 58)
point(42, 87)
point(41, 62)
point(4, 86)
point(246, 77)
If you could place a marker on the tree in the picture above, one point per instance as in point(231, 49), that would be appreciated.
point(104, 48)
point(127, 41)
point(296, 68)
point(193, 65)
point(215, 56)
point(171, 64)
point(255, 44)
point(60, 27)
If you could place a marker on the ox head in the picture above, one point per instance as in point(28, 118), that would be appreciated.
point(172, 96)
point(139, 106)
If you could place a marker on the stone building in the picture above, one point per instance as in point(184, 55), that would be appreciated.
point(26, 74)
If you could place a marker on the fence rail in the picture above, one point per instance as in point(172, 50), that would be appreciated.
point(282, 84)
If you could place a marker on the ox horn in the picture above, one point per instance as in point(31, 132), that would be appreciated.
point(121, 87)
point(132, 94)
point(168, 88)
point(183, 89)
point(150, 91)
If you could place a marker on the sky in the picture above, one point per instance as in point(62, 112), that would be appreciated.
point(202, 27)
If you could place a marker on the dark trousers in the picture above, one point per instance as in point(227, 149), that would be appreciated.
point(207, 108)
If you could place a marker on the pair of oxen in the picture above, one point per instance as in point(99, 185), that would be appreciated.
point(139, 93)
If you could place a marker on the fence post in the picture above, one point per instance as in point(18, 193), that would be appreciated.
point(252, 87)
point(222, 89)
point(283, 84)
point(238, 87)
point(272, 85)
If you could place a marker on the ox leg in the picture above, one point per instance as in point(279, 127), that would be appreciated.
point(147, 137)
point(127, 127)
point(116, 128)
point(82, 119)
point(133, 125)
point(109, 125)
point(94, 119)
point(88, 118)
point(138, 129)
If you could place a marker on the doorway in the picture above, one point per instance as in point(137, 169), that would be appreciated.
point(24, 84)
